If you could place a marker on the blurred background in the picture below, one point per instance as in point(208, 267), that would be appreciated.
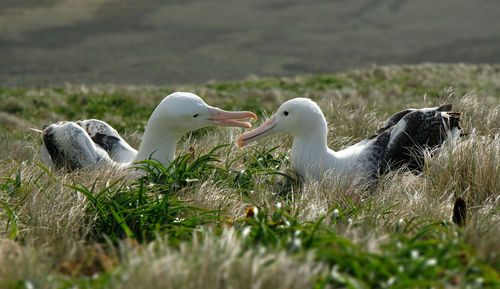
point(53, 42)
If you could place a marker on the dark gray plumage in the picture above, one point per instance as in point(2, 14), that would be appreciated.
point(393, 120)
point(62, 147)
point(404, 137)
point(108, 139)
point(412, 131)
point(86, 143)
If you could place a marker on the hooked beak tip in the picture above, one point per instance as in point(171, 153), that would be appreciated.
point(241, 142)
point(257, 133)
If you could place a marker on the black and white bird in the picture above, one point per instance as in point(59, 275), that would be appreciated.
point(91, 143)
point(400, 142)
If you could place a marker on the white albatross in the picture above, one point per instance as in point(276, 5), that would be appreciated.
point(90, 143)
point(398, 143)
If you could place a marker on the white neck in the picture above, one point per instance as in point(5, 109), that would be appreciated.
point(158, 145)
point(312, 141)
point(311, 157)
point(308, 150)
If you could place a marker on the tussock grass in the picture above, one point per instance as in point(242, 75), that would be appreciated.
point(59, 229)
point(212, 262)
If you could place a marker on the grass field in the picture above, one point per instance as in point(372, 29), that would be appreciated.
point(223, 217)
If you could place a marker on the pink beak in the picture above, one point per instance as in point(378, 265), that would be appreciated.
point(261, 131)
point(230, 118)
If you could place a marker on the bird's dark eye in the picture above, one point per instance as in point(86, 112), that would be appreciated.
point(196, 115)
point(285, 112)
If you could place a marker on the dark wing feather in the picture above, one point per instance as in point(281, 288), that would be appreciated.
point(395, 118)
point(445, 107)
point(108, 138)
point(415, 132)
point(58, 157)
point(70, 147)
point(377, 148)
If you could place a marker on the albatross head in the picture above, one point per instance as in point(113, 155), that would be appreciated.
point(177, 114)
point(182, 112)
point(298, 117)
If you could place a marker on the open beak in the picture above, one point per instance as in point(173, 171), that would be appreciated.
point(230, 118)
point(262, 131)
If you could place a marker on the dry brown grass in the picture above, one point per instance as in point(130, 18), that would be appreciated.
point(212, 262)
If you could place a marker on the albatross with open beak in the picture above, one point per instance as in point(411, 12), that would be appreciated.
point(89, 143)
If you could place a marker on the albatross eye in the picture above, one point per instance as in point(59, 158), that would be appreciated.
point(285, 113)
point(196, 115)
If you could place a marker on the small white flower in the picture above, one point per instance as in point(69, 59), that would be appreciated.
point(431, 262)
point(296, 243)
point(414, 254)
point(29, 285)
point(335, 213)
